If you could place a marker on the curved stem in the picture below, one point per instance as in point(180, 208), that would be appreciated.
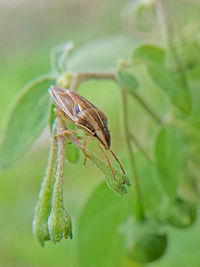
point(146, 106)
point(82, 76)
point(139, 206)
point(140, 148)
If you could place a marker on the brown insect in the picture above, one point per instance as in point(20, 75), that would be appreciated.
point(84, 115)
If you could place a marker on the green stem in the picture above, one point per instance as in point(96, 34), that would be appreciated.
point(140, 148)
point(59, 221)
point(82, 76)
point(139, 205)
point(43, 208)
point(146, 106)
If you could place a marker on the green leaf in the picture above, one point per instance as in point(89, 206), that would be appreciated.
point(149, 248)
point(169, 156)
point(102, 54)
point(71, 151)
point(51, 115)
point(149, 53)
point(181, 214)
point(100, 243)
point(144, 241)
point(27, 120)
point(59, 55)
point(151, 195)
point(178, 93)
point(119, 183)
point(127, 80)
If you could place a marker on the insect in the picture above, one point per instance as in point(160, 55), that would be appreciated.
point(85, 116)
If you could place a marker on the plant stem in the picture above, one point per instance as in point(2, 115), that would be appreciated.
point(139, 205)
point(140, 148)
point(82, 76)
point(146, 106)
point(161, 19)
point(43, 207)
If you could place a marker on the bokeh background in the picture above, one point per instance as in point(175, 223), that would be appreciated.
point(28, 30)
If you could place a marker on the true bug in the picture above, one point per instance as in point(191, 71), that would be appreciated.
point(84, 115)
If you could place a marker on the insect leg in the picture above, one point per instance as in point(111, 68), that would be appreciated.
point(108, 161)
point(83, 149)
point(117, 161)
point(60, 114)
point(66, 132)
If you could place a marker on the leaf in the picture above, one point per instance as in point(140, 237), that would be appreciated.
point(181, 214)
point(127, 80)
point(59, 55)
point(169, 157)
point(51, 115)
point(149, 53)
point(27, 120)
point(144, 241)
point(151, 195)
point(179, 94)
point(149, 248)
point(100, 243)
point(102, 54)
point(119, 183)
point(71, 151)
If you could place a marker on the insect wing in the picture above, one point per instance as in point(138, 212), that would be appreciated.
point(63, 101)
point(81, 102)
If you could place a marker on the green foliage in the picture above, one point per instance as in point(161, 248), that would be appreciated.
point(148, 53)
point(181, 214)
point(43, 208)
point(179, 95)
point(118, 184)
point(101, 55)
point(27, 120)
point(149, 247)
point(169, 157)
point(71, 151)
point(127, 80)
point(163, 172)
point(144, 242)
point(98, 235)
point(149, 181)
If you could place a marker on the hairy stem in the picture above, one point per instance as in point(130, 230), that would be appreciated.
point(82, 76)
point(43, 208)
point(59, 221)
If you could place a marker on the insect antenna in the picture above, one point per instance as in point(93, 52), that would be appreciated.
point(108, 161)
point(117, 161)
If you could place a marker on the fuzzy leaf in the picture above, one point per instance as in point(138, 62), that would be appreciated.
point(118, 185)
point(27, 120)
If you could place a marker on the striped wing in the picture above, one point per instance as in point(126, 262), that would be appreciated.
point(69, 102)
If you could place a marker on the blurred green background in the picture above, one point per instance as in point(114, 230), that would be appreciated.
point(28, 30)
